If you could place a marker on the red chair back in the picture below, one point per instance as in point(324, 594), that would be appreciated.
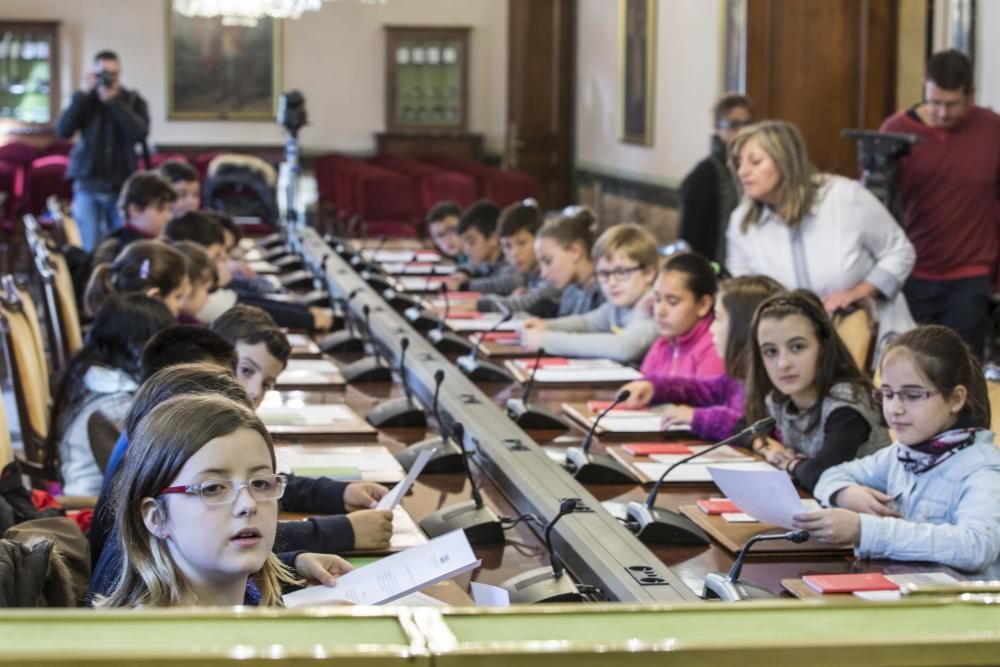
point(47, 176)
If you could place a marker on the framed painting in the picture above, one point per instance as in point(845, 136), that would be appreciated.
point(217, 71)
point(637, 54)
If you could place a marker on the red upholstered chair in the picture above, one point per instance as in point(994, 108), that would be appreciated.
point(500, 185)
point(46, 177)
point(201, 162)
point(384, 201)
point(57, 147)
point(432, 184)
point(18, 153)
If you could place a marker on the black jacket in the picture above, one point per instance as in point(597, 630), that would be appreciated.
point(709, 194)
point(104, 155)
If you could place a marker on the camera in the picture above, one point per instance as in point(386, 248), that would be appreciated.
point(879, 154)
point(106, 79)
point(292, 111)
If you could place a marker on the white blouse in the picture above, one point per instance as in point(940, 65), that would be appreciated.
point(848, 237)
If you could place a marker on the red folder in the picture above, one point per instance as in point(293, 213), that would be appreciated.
point(648, 448)
point(463, 296)
point(848, 583)
point(465, 315)
point(718, 506)
point(498, 336)
point(545, 362)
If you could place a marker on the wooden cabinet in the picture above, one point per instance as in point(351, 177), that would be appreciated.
point(426, 79)
point(29, 76)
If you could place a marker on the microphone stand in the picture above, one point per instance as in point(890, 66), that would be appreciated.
point(411, 307)
point(479, 370)
point(533, 417)
point(546, 584)
point(446, 456)
point(400, 411)
point(660, 525)
point(345, 341)
point(444, 340)
point(730, 588)
point(591, 468)
point(480, 523)
point(368, 369)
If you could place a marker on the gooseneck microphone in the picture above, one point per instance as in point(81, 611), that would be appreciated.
point(348, 340)
point(729, 587)
point(368, 369)
point(663, 526)
point(367, 312)
point(567, 506)
point(443, 340)
point(403, 410)
point(458, 435)
point(546, 584)
point(480, 370)
point(533, 417)
point(758, 427)
point(622, 396)
point(589, 467)
point(480, 523)
point(446, 457)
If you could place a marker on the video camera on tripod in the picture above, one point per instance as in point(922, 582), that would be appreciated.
point(879, 153)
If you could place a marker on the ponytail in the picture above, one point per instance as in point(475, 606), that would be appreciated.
point(142, 266)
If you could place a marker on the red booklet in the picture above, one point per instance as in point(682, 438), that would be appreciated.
point(718, 506)
point(600, 406)
point(648, 448)
point(848, 583)
point(544, 362)
point(463, 296)
point(465, 315)
point(495, 336)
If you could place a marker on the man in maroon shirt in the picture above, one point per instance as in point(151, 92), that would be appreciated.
point(950, 189)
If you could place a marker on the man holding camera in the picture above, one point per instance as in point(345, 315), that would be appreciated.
point(111, 121)
point(950, 190)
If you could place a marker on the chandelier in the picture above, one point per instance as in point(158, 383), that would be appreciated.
point(249, 12)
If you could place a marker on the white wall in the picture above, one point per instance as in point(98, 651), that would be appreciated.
point(688, 65)
point(335, 56)
point(988, 54)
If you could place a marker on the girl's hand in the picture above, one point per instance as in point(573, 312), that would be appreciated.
point(838, 300)
point(372, 529)
point(776, 453)
point(865, 500)
point(321, 568)
point(456, 281)
point(363, 495)
point(532, 333)
point(322, 318)
point(834, 526)
point(640, 393)
point(677, 414)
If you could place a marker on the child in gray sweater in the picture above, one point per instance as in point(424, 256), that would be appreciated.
point(623, 327)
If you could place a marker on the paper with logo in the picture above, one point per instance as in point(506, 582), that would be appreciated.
point(395, 576)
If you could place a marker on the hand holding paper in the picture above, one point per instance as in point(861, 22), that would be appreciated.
point(766, 495)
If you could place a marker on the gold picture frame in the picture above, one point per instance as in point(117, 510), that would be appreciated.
point(222, 72)
point(637, 56)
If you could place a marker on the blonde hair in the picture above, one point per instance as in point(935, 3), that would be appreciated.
point(163, 441)
point(635, 242)
point(783, 142)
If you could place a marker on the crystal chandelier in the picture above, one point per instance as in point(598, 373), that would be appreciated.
point(249, 12)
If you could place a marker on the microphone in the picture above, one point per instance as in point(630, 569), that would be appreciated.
point(446, 457)
point(485, 371)
point(599, 468)
point(400, 411)
point(546, 584)
point(447, 341)
point(730, 588)
point(368, 369)
point(533, 417)
point(480, 523)
point(347, 340)
point(657, 524)
point(361, 260)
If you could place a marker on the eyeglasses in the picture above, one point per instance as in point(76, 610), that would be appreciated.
point(733, 124)
point(617, 274)
point(224, 491)
point(906, 396)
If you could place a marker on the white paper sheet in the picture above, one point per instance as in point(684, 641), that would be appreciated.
point(420, 283)
point(631, 424)
point(405, 531)
point(367, 458)
point(620, 374)
point(418, 269)
point(484, 323)
point(489, 596)
point(395, 576)
point(384, 255)
point(766, 495)
point(393, 498)
point(878, 596)
point(419, 599)
point(263, 267)
point(299, 340)
point(692, 472)
point(306, 415)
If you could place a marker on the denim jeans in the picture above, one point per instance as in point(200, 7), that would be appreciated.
point(96, 213)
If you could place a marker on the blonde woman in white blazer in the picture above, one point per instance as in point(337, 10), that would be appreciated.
point(820, 232)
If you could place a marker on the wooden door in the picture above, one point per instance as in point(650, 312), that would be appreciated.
point(825, 65)
point(540, 95)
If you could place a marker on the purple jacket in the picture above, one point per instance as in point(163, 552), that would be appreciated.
point(690, 355)
point(717, 401)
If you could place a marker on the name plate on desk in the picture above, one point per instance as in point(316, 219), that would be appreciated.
point(624, 421)
point(310, 373)
point(560, 371)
